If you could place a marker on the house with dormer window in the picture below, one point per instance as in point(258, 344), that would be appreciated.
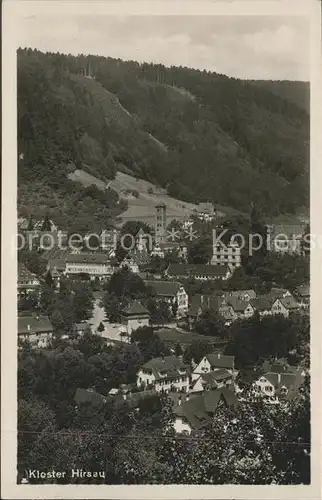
point(164, 374)
point(274, 387)
point(196, 412)
point(213, 362)
point(212, 380)
point(285, 306)
point(35, 329)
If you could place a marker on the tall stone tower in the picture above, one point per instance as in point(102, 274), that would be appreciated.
point(160, 223)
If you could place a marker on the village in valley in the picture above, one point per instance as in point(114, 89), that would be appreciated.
point(206, 339)
point(163, 274)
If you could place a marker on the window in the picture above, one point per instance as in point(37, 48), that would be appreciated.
point(268, 388)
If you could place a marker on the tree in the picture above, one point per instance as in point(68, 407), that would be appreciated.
point(126, 283)
point(32, 260)
point(196, 351)
point(200, 250)
point(30, 224)
point(29, 303)
point(256, 339)
point(34, 417)
point(133, 227)
point(306, 241)
point(209, 323)
point(90, 344)
point(57, 321)
point(48, 279)
point(101, 327)
point(83, 301)
point(149, 343)
point(174, 308)
point(46, 225)
point(178, 350)
point(240, 446)
point(259, 232)
point(112, 306)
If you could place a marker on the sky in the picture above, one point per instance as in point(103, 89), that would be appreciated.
point(250, 47)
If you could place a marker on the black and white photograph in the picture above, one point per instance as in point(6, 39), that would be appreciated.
point(162, 261)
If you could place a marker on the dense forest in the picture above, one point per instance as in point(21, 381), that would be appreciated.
point(201, 135)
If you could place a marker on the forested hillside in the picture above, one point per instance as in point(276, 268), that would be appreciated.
point(201, 135)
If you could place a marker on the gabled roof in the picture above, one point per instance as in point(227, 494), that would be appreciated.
point(139, 257)
point(204, 302)
point(55, 253)
point(135, 309)
point(89, 396)
point(277, 293)
point(272, 378)
point(240, 294)
point(280, 366)
point(237, 304)
point(262, 303)
point(289, 303)
point(163, 288)
point(303, 290)
point(54, 273)
point(289, 380)
point(25, 276)
point(87, 258)
point(28, 325)
point(215, 376)
point(199, 411)
point(58, 264)
point(167, 364)
point(218, 360)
